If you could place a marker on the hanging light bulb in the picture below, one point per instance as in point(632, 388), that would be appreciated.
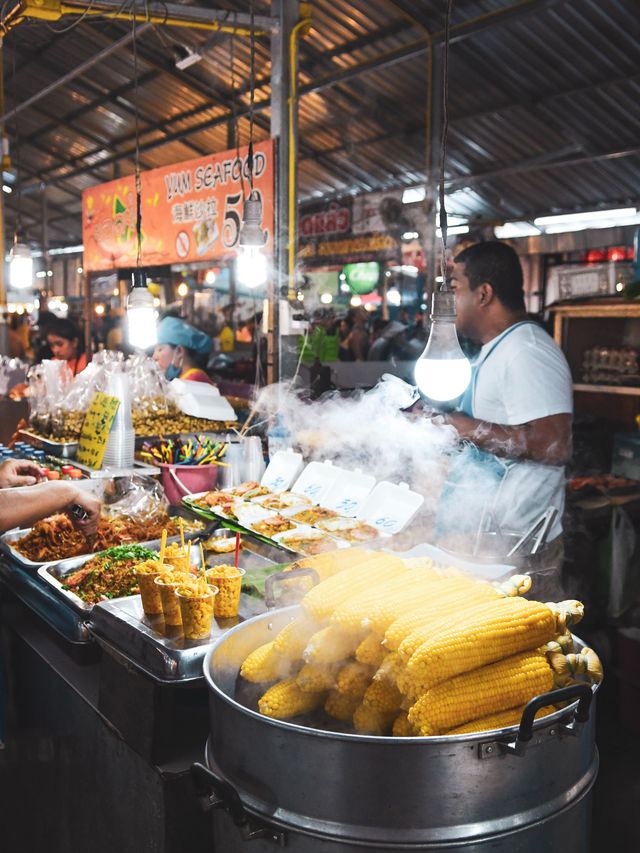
point(20, 266)
point(141, 314)
point(442, 372)
point(251, 264)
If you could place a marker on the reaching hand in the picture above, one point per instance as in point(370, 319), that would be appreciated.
point(19, 472)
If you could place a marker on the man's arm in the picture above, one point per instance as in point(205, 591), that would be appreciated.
point(24, 505)
point(546, 440)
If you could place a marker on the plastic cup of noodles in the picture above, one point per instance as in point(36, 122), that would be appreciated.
point(228, 580)
point(196, 603)
point(146, 574)
point(168, 582)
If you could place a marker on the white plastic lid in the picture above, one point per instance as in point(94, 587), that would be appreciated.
point(390, 507)
point(284, 466)
point(349, 492)
point(317, 481)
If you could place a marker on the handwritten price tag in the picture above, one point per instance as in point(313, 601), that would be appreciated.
point(95, 430)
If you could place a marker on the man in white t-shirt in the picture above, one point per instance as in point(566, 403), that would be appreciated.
point(514, 420)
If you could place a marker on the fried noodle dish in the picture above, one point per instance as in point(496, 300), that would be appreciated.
point(108, 575)
point(55, 537)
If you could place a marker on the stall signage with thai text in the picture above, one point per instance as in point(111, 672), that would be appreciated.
point(190, 211)
point(95, 429)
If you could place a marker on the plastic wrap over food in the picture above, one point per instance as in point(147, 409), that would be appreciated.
point(137, 497)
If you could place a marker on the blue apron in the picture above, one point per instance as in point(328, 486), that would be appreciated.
point(474, 475)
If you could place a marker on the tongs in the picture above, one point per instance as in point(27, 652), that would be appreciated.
point(539, 530)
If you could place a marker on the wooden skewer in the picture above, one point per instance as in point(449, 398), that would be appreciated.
point(163, 544)
point(202, 558)
point(189, 554)
point(181, 532)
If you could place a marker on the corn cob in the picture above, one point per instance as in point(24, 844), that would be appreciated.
point(509, 682)
point(562, 644)
point(390, 668)
point(285, 699)
point(402, 727)
point(448, 603)
point(507, 626)
point(428, 625)
point(330, 645)
point(566, 667)
point(500, 720)
point(291, 641)
point(325, 565)
point(341, 706)
point(354, 678)
point(515, 585)
point(314, 677)
point(367, 718)
point(262, 665)
point(320, 602)
point(567, 613)
point(383, 695)
point(371, 651)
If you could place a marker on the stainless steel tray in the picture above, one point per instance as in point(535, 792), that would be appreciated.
point(64, 449)
point(144, 643)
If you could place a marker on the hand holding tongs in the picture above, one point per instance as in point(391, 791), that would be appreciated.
point(539, 529)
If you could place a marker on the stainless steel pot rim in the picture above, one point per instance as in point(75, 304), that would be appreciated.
point(548, 721)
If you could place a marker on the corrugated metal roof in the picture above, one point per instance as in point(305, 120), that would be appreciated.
point(544, 103)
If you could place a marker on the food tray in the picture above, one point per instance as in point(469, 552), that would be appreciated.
point(310, 533)
point(64, 449)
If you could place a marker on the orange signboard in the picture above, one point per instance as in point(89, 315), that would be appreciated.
point(190, 211)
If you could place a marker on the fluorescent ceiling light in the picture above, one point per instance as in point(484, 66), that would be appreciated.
point(6, 189)
point(587, 216)
point(410, 235)
point(413, 194)
point(65, 250)
point(453, 230)
point(515, 229)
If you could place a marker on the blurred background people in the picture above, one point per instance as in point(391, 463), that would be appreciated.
point(182, 350)
point(67, 343)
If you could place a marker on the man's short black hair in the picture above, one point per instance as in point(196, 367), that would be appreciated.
point(499, 265)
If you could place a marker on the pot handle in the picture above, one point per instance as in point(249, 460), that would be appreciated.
point(582, 692)
point(271, 580)
point(214, 792)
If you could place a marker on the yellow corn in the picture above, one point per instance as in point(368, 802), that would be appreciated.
point(508, 625)
point(262, 665)
point(390, 668)
point(330, 645)
point(562, 644)
point(354, 678)
point(367, 718)
point(449, 602)
point(320, 602)
point(383, 695)
point(500, 720)
point(325, 565)
point(566, 667)
point(371, 651)
point(567, 613)
point(285, 699)
point(495, 687)
point(291, 641)
point(515, 585)
point(314, 677)
point(341, 706)
point(402, 727)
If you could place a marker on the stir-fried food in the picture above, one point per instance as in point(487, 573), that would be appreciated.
point(309, 543)
point(314, 514)
point(250, 489)
point(109, 574)
point(272, 525)
point(55, 537)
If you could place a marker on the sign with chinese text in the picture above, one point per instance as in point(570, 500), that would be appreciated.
point(190, 211)
point(95, 429)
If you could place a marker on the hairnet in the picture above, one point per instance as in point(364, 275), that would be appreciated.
point(176, 332)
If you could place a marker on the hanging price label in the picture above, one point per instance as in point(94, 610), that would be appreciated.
point(95, 429)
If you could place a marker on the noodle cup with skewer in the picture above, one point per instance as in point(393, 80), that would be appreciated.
point(228, 579)
point(146, 572)
point(168, 582)
point(178, 557)
point(196, 600)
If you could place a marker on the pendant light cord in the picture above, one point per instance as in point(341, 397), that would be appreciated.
point(443, 141)
point(252, 80)
point(137, 154)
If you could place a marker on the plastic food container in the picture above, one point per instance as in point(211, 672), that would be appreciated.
point(168, 582)
point(228, 580)
point(196, 608)
point(146, 574)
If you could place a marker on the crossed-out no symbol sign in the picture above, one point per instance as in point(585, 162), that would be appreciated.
point(182, 244)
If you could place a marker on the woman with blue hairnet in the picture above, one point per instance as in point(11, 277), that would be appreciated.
point(182, 351)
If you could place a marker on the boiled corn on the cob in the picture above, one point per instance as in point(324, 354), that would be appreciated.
point(487, 690)
point(383, 695)
point(566, 667)
point(291, 641)
point(371, 720)
point(285, 699)
point(508, 626)
point(402, 727)
point(501, 720)
point(314, 677)
point(262, 665)
point(567, 613)
point(341, 706)
point(371, 651)
point(354, 678)
point(330, 645)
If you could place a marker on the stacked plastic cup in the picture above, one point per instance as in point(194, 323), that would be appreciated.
point(121, 444)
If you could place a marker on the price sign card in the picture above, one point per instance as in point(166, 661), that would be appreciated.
point(95, 430)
